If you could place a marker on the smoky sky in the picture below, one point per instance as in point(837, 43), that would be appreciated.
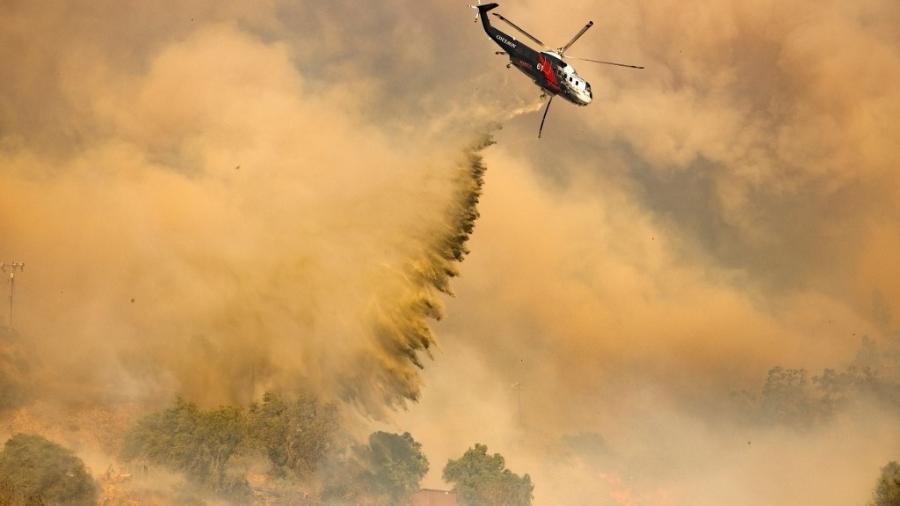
point(262, 178)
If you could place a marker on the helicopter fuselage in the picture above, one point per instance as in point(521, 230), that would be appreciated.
point(546, 68)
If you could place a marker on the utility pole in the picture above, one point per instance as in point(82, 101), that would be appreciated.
point(11, 268)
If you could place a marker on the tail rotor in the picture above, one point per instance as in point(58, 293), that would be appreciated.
point(477, 11)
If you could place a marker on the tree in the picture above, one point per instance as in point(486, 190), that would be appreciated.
point(483, 480)
point(397, 465)
point(200, 444)
point(387, 471)
point(887, 492)
point(209, 446)
point(296, 436)
point(787, 398)
point(34, 470)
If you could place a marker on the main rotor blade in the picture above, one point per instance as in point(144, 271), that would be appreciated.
point(576, 37)
point(546, 110)
point(522, 31)
point(604, 62)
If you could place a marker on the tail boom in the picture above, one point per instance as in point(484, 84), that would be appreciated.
point(482, 12)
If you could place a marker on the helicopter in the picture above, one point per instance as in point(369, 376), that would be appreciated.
point(547, 68)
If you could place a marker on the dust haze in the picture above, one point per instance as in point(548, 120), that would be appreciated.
point(214, 200)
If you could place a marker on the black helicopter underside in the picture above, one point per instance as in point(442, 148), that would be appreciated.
point(543, 69)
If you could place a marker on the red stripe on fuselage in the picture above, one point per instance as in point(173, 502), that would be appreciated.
point(547, 69)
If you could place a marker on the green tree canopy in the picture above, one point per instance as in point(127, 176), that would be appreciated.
point(34, 470)
point(483, 480)
point(387, 471)
point(887, 492)
point(296, 436)
point(397, 464)
point(198, 443)
point(206, 445)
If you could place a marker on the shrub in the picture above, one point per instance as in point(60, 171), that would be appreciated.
point(34, 470)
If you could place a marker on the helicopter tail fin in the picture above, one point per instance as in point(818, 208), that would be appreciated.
point(482, 12)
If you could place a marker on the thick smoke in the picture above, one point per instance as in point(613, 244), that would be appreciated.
point(728, 210)
point(218, 230)
point(248, 174)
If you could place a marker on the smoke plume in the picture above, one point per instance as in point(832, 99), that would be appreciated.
point(221, 198)
point(215, 230)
